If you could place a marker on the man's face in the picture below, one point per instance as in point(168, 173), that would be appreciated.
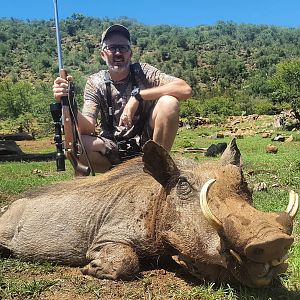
point(117, 53)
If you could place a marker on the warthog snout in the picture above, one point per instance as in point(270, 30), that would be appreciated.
point(269, 249)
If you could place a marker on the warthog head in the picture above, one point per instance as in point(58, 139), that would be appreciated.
point(210, 224)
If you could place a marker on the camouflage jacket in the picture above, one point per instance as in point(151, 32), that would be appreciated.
point(95, 99)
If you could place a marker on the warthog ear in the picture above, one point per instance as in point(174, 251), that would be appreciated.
point(159, 164)
point(231, 155)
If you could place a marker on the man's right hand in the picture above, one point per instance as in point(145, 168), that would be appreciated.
point(60, 87)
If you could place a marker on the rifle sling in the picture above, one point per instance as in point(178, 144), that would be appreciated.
point(108, 82)
point(71, 103)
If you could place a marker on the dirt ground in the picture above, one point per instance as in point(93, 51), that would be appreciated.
point(67, 283)
point(156, 284)
point(37, 146)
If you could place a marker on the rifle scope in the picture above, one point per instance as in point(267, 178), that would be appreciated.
point(55, 109)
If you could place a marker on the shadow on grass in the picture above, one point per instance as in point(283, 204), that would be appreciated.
point(276, 291)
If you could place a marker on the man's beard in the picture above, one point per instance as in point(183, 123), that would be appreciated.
point(118, 68)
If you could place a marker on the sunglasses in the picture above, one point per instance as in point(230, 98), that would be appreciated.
point(120, 48)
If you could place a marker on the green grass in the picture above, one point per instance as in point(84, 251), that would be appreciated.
point(280, 172)
point(17, 177)
point(21, 289)
point(16, 287)
point(204, 292)
point(17, 266)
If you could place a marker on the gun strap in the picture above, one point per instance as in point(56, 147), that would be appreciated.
point(110, 120)
point(108, 82)
point(73, 110)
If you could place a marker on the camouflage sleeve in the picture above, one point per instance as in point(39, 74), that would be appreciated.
point(154, 76)
point(91, 99)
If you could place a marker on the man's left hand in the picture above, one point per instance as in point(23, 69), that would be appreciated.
point(129, 112)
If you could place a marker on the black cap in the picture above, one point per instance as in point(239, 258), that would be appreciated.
point(115, 28)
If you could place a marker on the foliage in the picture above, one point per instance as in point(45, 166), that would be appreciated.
point(218, 61)
point(190, 110)
point(263, 106)
point(24, 106)
point(285, 83)
point(220, 105)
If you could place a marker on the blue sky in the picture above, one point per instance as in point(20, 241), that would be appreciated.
point(284, 13)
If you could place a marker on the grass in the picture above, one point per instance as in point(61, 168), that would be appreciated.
point(17, 177)
point(17, 285)
point(204, 292)
point(280, 172)
point(20, 289)
point(84, 287)
point(17, 266)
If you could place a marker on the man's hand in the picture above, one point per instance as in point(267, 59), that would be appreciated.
point(60, 87)
point(128, 112)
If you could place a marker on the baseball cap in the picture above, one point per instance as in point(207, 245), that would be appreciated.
point(115, 28)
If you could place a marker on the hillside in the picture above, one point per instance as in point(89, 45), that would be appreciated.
point(235, 61)
point(226, 53)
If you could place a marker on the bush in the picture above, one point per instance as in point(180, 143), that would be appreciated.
point(190, 108)
point(263, 107)
point(221, 106)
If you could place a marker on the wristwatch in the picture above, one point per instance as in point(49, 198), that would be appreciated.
point(136, 94)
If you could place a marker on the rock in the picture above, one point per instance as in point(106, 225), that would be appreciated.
point(279, 138)
point(266, 135)
point(10, 148)
point(215, 149)
point(275, 185)
point(217, 135)
point(278, 121)
point(21, 136)
point(271, 149)
point(239, 134)
point(261, 186)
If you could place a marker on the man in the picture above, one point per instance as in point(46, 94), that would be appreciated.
point(134, 102)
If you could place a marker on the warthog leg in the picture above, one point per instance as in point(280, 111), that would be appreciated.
point(114, 261)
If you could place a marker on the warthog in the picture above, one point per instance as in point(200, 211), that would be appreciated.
point(200, 214)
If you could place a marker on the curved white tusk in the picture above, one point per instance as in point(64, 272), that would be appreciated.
point(209, 216)
point(293, 205)
point(236, 256)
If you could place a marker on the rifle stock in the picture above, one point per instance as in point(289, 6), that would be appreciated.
point(71, 141)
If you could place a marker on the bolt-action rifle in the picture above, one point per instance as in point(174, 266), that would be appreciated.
point(64, 115)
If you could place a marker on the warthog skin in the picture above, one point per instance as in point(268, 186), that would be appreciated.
point(147, 208)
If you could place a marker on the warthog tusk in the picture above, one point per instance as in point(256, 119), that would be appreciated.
point(209, 216)
point(266, 270)
point(279, 261)
point(293, 205)
point(236, 256)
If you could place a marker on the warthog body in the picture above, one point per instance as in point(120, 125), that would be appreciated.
point(107, 223)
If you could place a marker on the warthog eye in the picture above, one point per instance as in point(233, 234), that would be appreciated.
point(183, 187)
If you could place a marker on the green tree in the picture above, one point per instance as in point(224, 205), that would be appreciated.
point(285, 84)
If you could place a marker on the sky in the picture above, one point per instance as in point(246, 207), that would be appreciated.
point(189, 13)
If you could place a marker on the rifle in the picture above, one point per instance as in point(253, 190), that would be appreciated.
point(64, 115)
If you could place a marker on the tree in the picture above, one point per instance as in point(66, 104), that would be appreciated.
point(285, 84)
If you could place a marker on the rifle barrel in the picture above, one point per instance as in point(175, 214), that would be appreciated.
point(58, 38)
